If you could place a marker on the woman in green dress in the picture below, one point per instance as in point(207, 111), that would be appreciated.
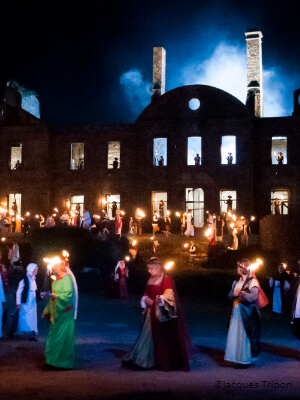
point(60, 309)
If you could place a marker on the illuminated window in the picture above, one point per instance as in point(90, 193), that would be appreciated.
point(228, 150)
point(194, 154)
point(160, 204)
point(14, 204)
point(281, 205)
point(194, 201)
point(279, 150)
point(75, 201)
point(112, 200)
point(77, 156)
point(227, 201)
point(113, 157)
point(160, 152)
point(16, 157)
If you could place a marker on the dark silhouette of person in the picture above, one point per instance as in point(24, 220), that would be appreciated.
point(280, 158)
point(229, 158)
point(115, 163)
point(197, 159)
point(161, 161)
point(229, 203)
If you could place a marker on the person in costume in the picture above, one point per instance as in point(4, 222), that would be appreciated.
point(163, 342)
point(2, 300)
point(189, 225)
point(279, 285)
point(243, 344)
point(26, 297)
point(120, 278)
point(293, 298)
point(62, 311)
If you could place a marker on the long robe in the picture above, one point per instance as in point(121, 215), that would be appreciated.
point(28, 312)
point(244, 328)
point(2, 300)
point(189, 226)
point(163, 345)
point(60, 343)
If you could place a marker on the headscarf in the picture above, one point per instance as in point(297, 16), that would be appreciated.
point(30, 268)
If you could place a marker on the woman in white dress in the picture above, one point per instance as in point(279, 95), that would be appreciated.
point(243, 345)
point(189, 226)
point(26, 302)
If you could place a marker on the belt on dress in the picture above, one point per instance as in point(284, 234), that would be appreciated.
point(68, 309)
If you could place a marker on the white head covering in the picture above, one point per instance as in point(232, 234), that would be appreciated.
point(30, 268)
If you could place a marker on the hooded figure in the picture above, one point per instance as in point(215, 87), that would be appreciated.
point(26, 302)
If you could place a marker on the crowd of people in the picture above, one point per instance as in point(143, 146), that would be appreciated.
point(98, 224)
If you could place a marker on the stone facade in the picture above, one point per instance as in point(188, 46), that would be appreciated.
point(46, 179)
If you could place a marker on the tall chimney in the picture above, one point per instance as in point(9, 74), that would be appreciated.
point(159, 72)
point(254, 73)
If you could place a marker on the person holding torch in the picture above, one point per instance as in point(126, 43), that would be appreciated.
point(61, 311)
point(243, 344)
point(163, 342)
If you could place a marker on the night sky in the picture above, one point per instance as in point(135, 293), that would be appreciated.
point(91, 61)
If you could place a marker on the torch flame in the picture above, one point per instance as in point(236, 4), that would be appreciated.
point(208, 232)
point(169, 265)
point(65, 254)
point(140, 213)
point(185, 245)
point(177, 214)
point(134, 243)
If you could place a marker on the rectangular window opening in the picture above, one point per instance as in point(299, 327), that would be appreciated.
point(112, 201)
point(77, 203)
point(77, 156)
point(194, 154)
point(160, 152)
point(113, 156)
point(16, 157)
point(279, 150)
point(279, 202)
point(228, 150)
point(160, 204)
point(14, 204)
point(194, 202)
point(227, 201)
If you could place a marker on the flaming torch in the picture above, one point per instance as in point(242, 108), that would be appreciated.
point(169, 265)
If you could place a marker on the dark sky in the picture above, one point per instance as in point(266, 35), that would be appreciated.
point(91, 61)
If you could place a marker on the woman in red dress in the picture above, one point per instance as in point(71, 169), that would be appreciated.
point(163, 342)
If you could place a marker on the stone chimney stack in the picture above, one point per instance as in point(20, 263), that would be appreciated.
point(159, 72)
point(254, 73)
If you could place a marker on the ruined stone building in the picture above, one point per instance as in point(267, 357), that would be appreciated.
point(42, 167)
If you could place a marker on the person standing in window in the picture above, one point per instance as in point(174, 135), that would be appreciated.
point(161, 162)
point(115, 163)
point(280, 158)
point(197, 159)
point(229, 203)
point(114, 208)
point(229, 158)
point(277, 205)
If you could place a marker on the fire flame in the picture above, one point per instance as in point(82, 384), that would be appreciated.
point(169, 265)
